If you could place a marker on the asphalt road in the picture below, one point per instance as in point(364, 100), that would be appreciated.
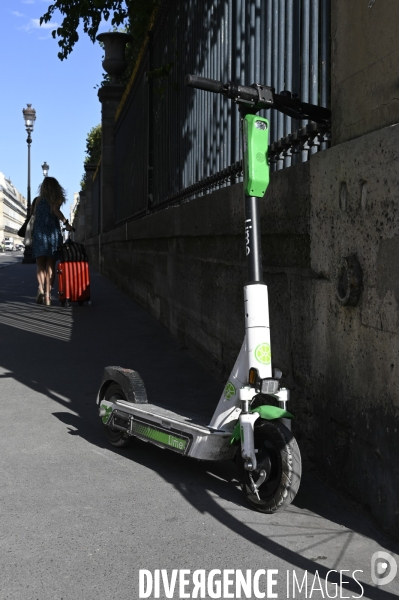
point(10, 258)
point(80, 519)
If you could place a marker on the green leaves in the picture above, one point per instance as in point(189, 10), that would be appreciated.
point(163, 71)
point(133, 16)
point(93, 145)
point(90, 12)
point(93, 150)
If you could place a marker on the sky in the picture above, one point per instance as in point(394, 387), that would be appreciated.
point(63, 93)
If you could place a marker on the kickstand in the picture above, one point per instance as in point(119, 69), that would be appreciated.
point(256, 486)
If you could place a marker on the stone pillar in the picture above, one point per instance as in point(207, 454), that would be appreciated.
point(90, 169)
point(110, 97)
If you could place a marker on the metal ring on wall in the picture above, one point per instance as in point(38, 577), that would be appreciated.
point(349, 281)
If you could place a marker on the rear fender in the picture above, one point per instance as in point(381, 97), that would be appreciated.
point(130, 382)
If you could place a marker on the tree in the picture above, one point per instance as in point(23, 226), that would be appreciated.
point(133, 15)
point(93, 149)
point(93, 144)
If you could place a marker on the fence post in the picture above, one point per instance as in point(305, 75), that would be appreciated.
point(110, 97)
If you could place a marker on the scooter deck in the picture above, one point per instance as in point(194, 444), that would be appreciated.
point(168, 414)
point(182, 432)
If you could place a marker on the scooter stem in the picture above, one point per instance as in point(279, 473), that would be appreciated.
point(253, 247)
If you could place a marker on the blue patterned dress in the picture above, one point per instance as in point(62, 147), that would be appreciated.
point(47, 232)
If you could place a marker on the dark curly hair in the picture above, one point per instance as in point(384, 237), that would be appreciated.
point(51, 191)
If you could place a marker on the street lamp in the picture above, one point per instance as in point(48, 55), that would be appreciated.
point(29, 118)
point(45, 169)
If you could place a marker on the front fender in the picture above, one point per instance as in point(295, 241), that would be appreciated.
point(267, 412)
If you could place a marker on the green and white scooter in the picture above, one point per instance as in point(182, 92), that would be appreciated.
point(250, 422)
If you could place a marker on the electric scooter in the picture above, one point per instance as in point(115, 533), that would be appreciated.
point(251, 421)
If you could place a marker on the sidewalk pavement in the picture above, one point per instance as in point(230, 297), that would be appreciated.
point(81, 518)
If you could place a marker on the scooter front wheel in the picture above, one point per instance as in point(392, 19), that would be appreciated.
point(278, 457)
point(115, 437)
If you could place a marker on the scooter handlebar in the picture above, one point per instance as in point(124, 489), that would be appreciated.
point(262, 97)
point(202, 83)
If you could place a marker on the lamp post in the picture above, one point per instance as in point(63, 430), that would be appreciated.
point(29, 118)
point(45, 169)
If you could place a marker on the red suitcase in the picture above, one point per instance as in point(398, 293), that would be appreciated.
point(73, 282)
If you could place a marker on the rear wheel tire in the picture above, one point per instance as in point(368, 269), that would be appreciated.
point(278, 454)
point(115, 437)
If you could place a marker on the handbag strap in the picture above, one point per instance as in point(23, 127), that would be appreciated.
point(34, 203)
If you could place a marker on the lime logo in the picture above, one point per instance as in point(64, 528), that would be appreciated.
point(142, 429)
point(108, 410)
point(263, 354)
point(229, 391)
point(260, 157)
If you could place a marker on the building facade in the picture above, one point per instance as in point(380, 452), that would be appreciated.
point(74, 207)
point(76, 218)
point(12, 210)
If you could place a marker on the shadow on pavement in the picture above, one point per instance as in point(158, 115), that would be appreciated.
point(204, 484)
point(60, 353)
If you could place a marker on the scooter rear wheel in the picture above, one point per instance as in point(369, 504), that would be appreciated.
point(115, 437)
point(278, 454)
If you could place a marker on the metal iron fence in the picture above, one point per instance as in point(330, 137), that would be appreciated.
point(173, 142)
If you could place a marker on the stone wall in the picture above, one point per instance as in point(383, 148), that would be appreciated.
point(353, 350)
point(364, 74)
point(186, 265)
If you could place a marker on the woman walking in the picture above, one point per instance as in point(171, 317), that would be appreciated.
point(47, 236)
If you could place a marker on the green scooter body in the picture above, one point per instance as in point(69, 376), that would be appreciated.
point(255, 132)
point(267, 412)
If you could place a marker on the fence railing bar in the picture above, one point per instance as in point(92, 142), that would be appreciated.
point(288, 66)
point(282, 43)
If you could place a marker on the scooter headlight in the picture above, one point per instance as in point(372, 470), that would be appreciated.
point(263, 386)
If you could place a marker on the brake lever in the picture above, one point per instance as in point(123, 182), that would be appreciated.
point(295, 108)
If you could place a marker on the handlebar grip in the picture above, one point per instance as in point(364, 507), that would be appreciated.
point(202, 83)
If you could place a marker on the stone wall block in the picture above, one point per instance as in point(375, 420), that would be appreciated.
point(365, 54)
